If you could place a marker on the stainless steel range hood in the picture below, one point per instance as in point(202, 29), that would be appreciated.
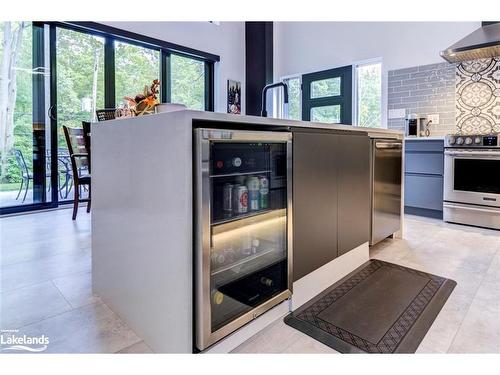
point(482, 43)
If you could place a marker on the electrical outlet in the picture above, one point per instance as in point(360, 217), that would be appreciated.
point(397, 113)
point(434, 119)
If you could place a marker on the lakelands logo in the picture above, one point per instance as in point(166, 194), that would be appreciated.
point(12, 341)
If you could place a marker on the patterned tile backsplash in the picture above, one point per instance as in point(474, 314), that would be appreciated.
point(478, 96)
point(466, 96)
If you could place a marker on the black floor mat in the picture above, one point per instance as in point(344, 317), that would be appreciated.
point(379, 308)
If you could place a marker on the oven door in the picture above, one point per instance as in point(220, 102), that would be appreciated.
point(472, 176)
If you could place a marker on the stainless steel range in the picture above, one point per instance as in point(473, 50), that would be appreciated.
point(472, 180)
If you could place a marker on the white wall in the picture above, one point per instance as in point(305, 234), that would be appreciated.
point(226, 40)
point(303, 47)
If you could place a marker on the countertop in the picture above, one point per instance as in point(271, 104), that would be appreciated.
point(275, 122)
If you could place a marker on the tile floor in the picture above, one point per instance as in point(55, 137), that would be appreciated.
point(45, 288)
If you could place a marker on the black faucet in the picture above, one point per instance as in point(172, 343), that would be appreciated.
point(263, 112)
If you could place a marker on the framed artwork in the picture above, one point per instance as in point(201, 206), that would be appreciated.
point(233, 97)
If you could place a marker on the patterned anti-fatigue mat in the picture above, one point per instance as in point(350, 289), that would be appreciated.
point(379, 308)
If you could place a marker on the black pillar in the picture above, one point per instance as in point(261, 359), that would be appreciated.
point(258, 63)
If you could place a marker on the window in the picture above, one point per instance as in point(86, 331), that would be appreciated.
point(64, 72)
point(294, 98)
point(325, 87)
point(368, 80)
point(327, 113)
point(135, 67)
point(187, 82)
point(327, 96)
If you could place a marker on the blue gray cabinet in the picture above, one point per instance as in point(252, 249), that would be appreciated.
point(424, 168)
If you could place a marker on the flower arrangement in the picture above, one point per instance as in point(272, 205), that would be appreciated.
point(145, 103)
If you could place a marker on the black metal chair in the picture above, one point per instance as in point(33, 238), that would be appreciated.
point(105, 114)
point(26, 175)
point(79, 161)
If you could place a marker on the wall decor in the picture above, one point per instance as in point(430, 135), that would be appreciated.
point(478, 96)
point(233, 97)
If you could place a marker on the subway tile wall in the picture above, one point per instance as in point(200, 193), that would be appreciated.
point(424, 90)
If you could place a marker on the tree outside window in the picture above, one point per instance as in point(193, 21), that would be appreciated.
point(369, 95)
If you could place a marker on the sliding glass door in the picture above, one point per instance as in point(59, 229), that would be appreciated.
point(80, 91)
point(25, 169)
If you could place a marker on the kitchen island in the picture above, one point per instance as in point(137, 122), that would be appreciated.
point(144, 212)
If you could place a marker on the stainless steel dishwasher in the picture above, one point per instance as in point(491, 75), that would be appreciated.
point(386, 175)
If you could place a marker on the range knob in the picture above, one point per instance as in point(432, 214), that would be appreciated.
point(451, 140)
point(468, 141)
point(460, 141)
point(477, 140)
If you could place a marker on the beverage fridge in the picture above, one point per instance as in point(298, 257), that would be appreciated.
point(243, 246)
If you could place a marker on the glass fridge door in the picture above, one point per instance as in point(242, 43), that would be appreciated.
point(248, 227)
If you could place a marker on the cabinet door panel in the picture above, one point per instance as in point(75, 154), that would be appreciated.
point(425, 145)
point(353, 160)
point(424, 192)
point(315, 201)
point(425, 163)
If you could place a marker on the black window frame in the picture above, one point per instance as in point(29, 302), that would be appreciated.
point(344, 99)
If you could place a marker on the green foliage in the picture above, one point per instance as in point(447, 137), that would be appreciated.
point(23, 139)
point(327, 114)
point(75, 71)
point(370, 95)
point(294, 94)
point(135, 67)
point(188, 82)
point(325, 87)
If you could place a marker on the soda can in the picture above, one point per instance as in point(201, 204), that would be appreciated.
point(263, 192)
point(227, 197)
point(240, 199)
point(253, 185)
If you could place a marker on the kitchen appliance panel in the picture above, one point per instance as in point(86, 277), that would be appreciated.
point(472, 177)
point(472, 180)
point(386, 188)
point(481, 216)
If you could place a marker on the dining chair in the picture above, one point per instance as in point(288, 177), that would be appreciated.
point(86, 138)
point(105, 114)
point(79, 157)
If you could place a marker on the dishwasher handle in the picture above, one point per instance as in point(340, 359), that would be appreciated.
point(389, 145)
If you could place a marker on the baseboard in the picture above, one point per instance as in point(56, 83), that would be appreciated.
point(435, 214)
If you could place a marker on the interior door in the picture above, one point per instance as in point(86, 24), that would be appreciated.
point(327, 96)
